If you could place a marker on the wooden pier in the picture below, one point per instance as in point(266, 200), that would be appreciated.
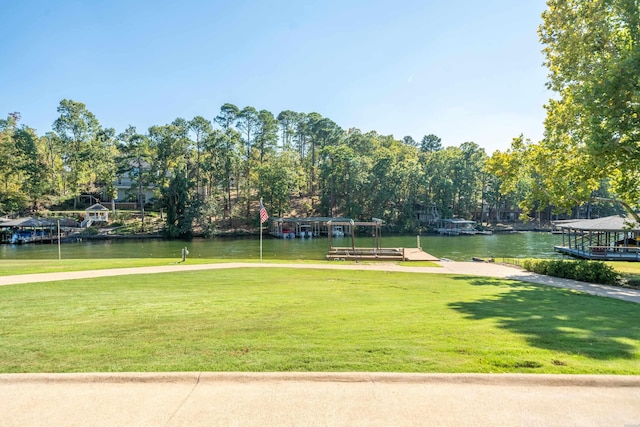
point(379, 254)
point(376, 253)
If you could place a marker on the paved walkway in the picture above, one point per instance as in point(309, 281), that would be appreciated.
point(298, 399)
point(465, 268)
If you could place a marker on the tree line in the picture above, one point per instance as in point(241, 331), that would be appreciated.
point(210, 173)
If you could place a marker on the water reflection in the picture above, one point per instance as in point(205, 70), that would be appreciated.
point(463, 248)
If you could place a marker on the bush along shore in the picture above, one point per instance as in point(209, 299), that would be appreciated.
point(584, 271)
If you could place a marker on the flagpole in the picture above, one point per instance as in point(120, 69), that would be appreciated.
point(260, 219)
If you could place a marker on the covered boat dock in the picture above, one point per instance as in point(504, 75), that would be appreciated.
point(457, 227)
point(375, 252)
point(612, 238)
point(29, 230)
point(288, 228)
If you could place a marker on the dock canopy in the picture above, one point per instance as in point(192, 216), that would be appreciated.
point(609, 238)
point(28, 222)
point(456, 227)
point(301, 227)
point(27, 230)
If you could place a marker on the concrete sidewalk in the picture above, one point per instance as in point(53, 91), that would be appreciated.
point(465, 268)
point(514, 273)
point(317, 399)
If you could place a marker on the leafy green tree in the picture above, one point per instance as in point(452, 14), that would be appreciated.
point(287, 120)
point(408, 174)
point(523, 175)
point(440, 180)
point(30, 165)
point(170, 145)
point(503, 173)
point(223, 150)
point(591, 51)
point(469, 175)
point(335, 177)
point(448, 182)
point(201, 128)
point(408, 140)
point(394, 180)
point(247, 123)
point(266, 134)
point(104, 166)
point(135, 161)
point(77, 129)
point(430, 143)
point(11, 198)
point(227, 144)
point(323, 132)
point(301, 134)
point(227, 116)
point(54, 162)
point(278, 178)
point(181, 203)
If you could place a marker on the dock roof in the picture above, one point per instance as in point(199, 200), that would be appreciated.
point(28, 222)
point(310, 219)
point(609, 223)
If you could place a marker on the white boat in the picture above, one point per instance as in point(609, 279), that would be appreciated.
point(305, 231)
point(456, 227)
point(337, 231)
point(27, 236)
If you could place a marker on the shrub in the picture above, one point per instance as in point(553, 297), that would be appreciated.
point(91, 231)
point(585, 271)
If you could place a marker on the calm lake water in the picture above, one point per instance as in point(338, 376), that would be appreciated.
point(459, 248)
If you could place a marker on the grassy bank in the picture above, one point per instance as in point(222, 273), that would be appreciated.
point(310, 320)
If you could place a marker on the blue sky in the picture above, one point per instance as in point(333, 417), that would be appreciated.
point(464, 70)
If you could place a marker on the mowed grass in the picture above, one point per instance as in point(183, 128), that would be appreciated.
point(310, 320)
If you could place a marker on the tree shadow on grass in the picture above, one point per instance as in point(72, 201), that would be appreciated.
point(559, 319)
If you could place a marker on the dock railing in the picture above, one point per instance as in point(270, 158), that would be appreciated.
point(512, 261)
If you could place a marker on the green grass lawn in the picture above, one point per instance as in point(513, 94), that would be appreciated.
point(630, 271)
point(312, 320)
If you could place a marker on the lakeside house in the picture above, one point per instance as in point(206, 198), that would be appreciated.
point(126, 187)
point(610, 238)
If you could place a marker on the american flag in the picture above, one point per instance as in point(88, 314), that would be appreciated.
point(264, 216)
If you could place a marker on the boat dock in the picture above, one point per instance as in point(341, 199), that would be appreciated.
point(612, 238)
point(379, 254)
point(376, 253)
